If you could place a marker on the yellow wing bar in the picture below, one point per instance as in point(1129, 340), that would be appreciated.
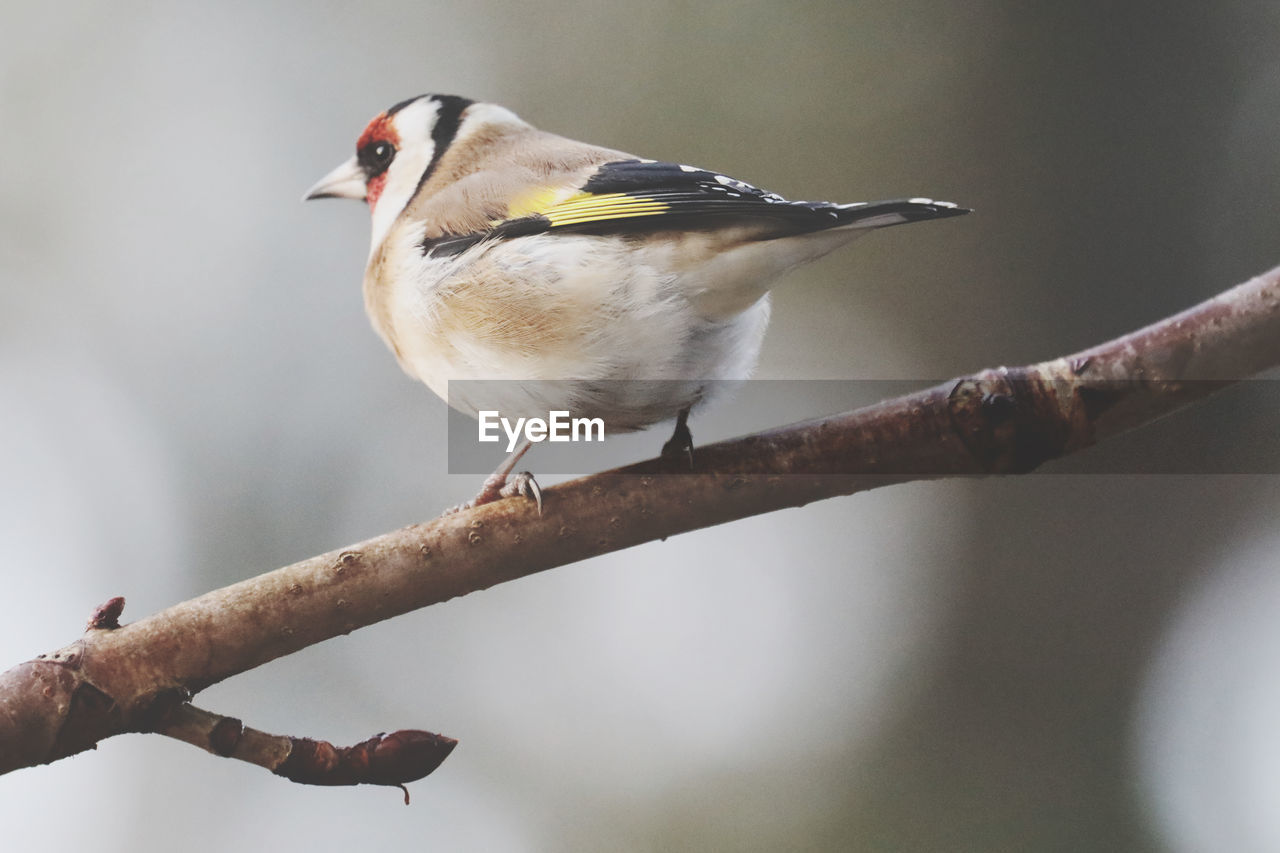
point(584, 207)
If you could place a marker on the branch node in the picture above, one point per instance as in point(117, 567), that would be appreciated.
point(225, 736)
point(107, 616)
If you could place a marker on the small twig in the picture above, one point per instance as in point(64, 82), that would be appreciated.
point(1007, 420)
point(393, 759)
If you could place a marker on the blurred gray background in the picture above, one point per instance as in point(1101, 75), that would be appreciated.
point(190, 394)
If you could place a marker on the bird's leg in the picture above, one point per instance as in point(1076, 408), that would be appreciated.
point(496, 486)
point(680, 445)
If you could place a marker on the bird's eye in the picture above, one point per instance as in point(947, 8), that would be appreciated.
point(376, 157)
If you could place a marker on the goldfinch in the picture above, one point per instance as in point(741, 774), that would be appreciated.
point(503, 252)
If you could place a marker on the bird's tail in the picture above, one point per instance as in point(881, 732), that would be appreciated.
point(879, 214)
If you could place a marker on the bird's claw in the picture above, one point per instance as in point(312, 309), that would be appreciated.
point(525, 486)
point(522, 485)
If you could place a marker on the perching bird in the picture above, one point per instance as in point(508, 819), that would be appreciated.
point(502, 252)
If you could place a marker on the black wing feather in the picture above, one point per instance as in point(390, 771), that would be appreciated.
point(688, 198)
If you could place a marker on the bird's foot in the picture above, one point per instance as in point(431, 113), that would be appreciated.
point(497, 487)
point(680, 446)
point(523, 485)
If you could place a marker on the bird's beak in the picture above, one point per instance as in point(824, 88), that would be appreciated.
point(346, 181)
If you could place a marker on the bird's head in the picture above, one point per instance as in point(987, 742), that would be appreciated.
point(399, 150)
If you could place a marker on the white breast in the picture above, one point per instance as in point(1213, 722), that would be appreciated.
point(566, 322)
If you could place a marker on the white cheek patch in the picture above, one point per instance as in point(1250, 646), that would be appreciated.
point(413, 124)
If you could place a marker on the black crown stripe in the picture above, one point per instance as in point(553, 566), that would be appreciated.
point(406, 102)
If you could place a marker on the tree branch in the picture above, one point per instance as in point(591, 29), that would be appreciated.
point(140, 677)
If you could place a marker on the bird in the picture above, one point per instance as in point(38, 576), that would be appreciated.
point(586, 279)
